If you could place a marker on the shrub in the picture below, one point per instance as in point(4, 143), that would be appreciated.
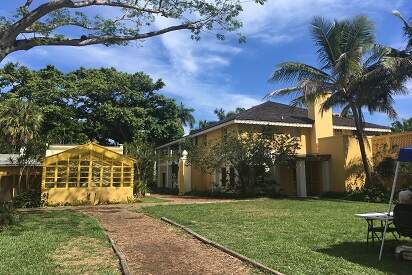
point(7, 215)
point(28, 199)
point(142, 188)
point(374, 193)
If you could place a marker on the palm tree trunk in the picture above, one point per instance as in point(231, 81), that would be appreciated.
point(357, 115)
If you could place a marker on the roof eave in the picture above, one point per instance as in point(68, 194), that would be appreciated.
point(368, 129)
point(238, 121)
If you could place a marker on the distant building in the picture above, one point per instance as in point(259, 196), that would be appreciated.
point(328, 149)
point(10, 174)
point(73, 174)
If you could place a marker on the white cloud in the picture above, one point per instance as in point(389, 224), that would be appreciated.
point(282, 21)
point(189, 69)
point(198, 73)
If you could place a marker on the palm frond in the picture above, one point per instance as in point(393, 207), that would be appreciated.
point(299, 101)
point(376, 54)
point(346, 111)
point(327, 39)
point(282, 92)
point(295, 72)
point(357, 39)
point(334, 100)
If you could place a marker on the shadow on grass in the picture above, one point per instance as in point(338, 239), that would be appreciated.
point(367, 255)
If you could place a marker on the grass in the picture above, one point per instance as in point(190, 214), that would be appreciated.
point(292, 236)
point(149, 199)
point(56, 242)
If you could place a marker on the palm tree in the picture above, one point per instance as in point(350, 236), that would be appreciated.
point(402, 126)
point(407, 29)
point(20, 122)
point(203, 123)
point(354, 74)
point(186, 115)
point(220, 113)
point(235, 112)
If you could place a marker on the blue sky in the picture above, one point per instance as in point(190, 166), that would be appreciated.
point(209, 73)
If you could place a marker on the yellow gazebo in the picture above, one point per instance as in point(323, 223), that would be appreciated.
point(87, 173)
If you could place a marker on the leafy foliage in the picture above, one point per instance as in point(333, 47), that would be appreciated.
point(250, 154)
point(402, 126)
point(7, 215)
point(39, 23)
point(93, 104)
point(203, 123)
point(20, 122)
point(144, 154)
point(28, 199)
point(222, 114)
point(379, 189)
point(407, 29)
point(186, 115)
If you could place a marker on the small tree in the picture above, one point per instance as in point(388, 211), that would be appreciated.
point(222, 114)
point(403, 125)
point(250, 154)
point(186, 115)
point(20, 122)
point(144, 154)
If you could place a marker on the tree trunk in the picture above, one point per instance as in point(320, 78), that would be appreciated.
point(3, 51)
point(6, 45)
point(357, 115)
point(2, 55)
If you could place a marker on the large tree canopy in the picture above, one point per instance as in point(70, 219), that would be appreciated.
point(94, 104)
point(39, 22)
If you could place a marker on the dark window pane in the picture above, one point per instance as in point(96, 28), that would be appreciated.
point(223, 176)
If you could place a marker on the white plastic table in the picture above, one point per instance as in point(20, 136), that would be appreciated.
point(376, 231)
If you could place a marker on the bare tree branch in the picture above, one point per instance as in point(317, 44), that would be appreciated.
point(28, 3)
point(50, 6)
point(51, 27)
point(26, 44)
point(41, 21)
point(38, 13)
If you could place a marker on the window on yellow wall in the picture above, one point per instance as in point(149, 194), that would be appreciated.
point(232, 176)
point(84, 176)
point(106, 176)
point(50, 181)
point(61, 177)
point(116, 182)
point(96, 175)
point(73, 171)
point(127, 176)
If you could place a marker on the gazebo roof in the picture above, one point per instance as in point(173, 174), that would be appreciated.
point(90, 147)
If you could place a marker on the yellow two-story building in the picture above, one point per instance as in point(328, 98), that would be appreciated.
point(328, 151)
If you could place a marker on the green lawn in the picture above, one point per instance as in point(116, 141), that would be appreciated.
point(149, 199)
point(56, 242)
point(292, 236)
